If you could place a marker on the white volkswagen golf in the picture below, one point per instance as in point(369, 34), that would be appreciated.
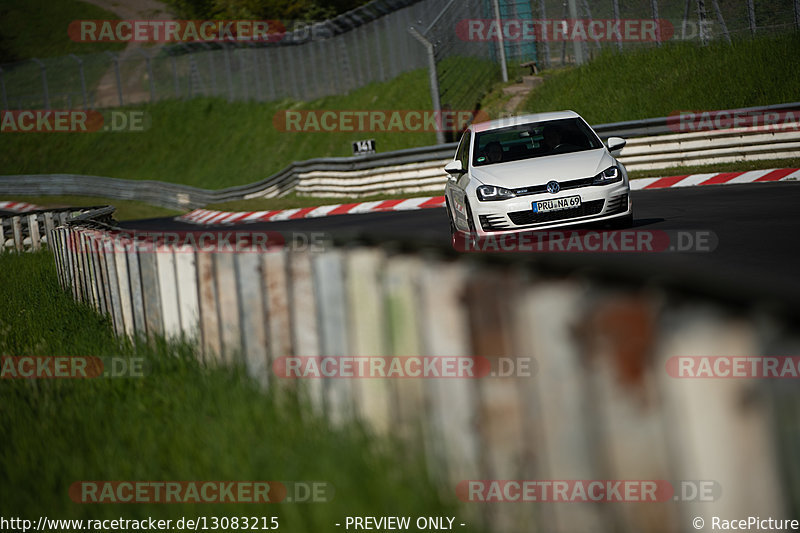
point(534, 172)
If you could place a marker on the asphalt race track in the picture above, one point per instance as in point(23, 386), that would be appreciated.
point(757, 226)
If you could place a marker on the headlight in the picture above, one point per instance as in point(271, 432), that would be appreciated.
point(609, 175)
point(488, 193)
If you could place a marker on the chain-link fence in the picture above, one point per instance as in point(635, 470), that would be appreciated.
point(473, 40)
point(374, 44)
point(691, 20)
point(368, 45)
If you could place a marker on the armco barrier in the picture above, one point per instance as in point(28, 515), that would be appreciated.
point(598, 404)
point(415, 170)
point(31, 230)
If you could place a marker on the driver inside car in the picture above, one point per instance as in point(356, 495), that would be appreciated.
point(493, 152)
point(552, 137)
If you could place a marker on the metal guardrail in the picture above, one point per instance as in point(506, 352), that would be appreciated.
point(419, 169)
point(31, 231)
point(177, 196)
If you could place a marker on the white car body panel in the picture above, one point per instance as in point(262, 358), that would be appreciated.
point(498, 216)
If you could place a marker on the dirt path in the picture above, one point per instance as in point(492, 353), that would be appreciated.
point(134, 9)
point(134, 77)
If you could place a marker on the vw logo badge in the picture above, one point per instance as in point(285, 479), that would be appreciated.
point(553, 187)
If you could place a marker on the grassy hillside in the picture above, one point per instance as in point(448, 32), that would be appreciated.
point(212, 143)
point(181, 420)
point(38, 28)
point(655, 82)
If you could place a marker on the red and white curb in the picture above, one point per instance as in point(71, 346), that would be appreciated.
point(19, 207)
point(204, 216)
point(718, 178)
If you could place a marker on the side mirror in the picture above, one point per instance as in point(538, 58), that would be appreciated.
point(615, 145)
point(454, 168)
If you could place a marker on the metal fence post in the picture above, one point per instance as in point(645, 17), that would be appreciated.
point(270, 77)
point(291, 72)
point(175, 76)
point(313, 53)
point(654, 9)
point(115, 59)
point(751, 16)
point(211, 71)
point(254, 55)
point(685, 20)
point(245, 93)
point(150, 78)
point(796, 5)
point(546, 42)
point(434, 79)
point(46, 92)
point(501, 44)
point(721, 20)
point(577, 45)
point(228, 73)
point(701, 21)
point(84, 94)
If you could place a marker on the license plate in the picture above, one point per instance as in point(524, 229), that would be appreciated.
point(557, 204)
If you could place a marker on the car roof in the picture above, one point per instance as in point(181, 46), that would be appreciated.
point(522, 119)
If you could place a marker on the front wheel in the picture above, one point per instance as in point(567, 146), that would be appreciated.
point(453, 230)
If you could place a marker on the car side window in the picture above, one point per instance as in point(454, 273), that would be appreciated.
point(462, 154)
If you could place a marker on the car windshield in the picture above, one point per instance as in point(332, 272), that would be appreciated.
point(536, 139)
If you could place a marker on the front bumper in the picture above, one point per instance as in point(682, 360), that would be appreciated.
point(598, 203)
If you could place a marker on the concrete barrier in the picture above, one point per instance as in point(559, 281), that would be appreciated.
point(598, 402)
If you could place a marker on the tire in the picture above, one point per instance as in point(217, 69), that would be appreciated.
point(453, 230)
point(472, 235)
point(470, 221)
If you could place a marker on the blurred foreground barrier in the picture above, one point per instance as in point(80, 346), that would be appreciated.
point(652, 144)
point(582, 386)
point(29, 231)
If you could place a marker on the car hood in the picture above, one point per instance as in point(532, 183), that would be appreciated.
point(540, 170)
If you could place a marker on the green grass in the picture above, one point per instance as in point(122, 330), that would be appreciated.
point(182, 421)
point(126, 209)
point(656, 82)
point(211, 143)
point(38, 28)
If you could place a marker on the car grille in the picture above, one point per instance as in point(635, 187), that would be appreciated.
point(493, 222)
point(565, 186)
point(524, 218)
point(618, 204)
